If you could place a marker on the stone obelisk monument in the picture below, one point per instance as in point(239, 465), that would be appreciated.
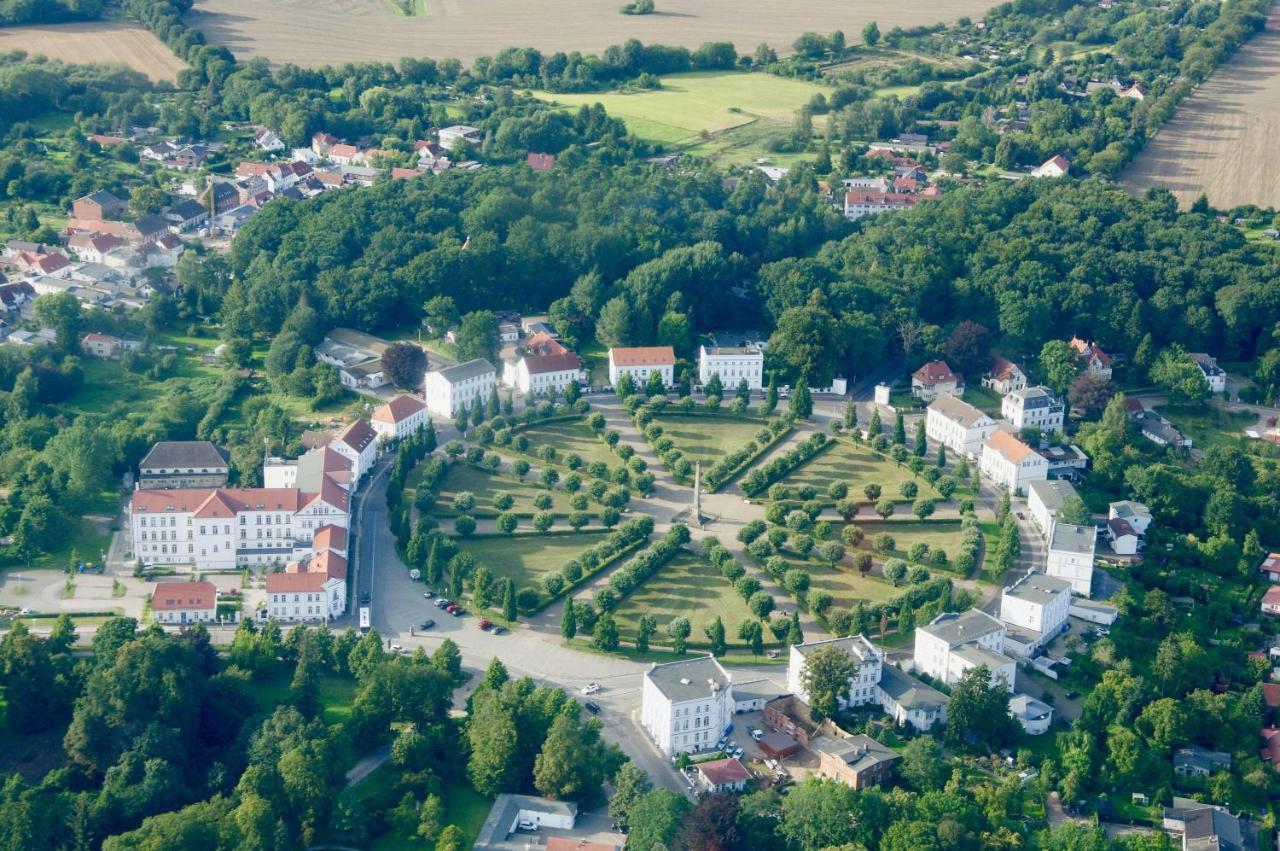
point(697, 493)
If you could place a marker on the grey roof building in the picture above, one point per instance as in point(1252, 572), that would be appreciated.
point(690, 679)
point(1076, 539)
point(1207, 828)
point(469, 369)
point(183, 464)
point(514, 819)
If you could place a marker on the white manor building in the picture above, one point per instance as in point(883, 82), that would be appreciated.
point(732, 364)
point(957, 425)
point(1009, 462)
point(952, 644)
point(459, 386)
point(1033, 610)
point(642, 361)
point(314, 587)
point(866, 657)
point(1071, 551)
point(686, 706)
point(546, 364)
point(177, 603)
point(1045, 499)
point(1033, 406)
point(399, 418)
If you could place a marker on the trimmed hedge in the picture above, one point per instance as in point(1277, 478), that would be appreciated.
point(759, 479)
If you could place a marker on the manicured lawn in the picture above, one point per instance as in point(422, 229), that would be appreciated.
point(570, 437)
point(1208, 425)
point(983, 399)
point(688, 104)
point(936, 533)
point(686, 587)
point(708, 438)
point(857, 467)
point(525, 558)
point(847, 586)
point(336, 695)
point(463, 806)
point(485, 486)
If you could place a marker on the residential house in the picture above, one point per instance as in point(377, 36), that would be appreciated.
point(97, 205)
point(508, 333)
point(686, 706)
point(722, 775)
point(861, 202)
point(859, 762)
point(183, 464)
point(935, 379)
point(184, 602)
point(399, 418)
point(1095, 359)
point(451, 138)
point(186, 215)
point(92, 248)
point(106, 345)
point(866, 658)
point(54, 264)
point(514, 815)
point(1137, 514)
point(546, 364)
point(1195, 761)
point(225, 197)
point(1033, 406)
point(1271, 601)
point(1055, 166)
point(909, 701)
point(1064, 462)
point(14, 295)
point(312, 588)
point(1270, 567)
point(1009, 462)
point(1205, 827)
point(951, 644)
point(321, 143)
point(540, 162)
point(640, 362)
point(1034, 716)
point(358, 443)
point(1160, 431)
point(1070, 557)
point(1123, 537)
point(957, 425)
point(732, 364)
point(320, 465)
point(226, 528)
point(460, 386)
point(366, 374)
point(267, 140)
point(1044, 498)
point(1033, 610)
point(1004, 376)
point(1214, 375)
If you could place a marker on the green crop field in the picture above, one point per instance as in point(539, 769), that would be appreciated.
point(857, 467)
point(525, 558)
point(686, 587)
point(710, 101)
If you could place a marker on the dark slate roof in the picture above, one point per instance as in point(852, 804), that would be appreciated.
point(192, 454)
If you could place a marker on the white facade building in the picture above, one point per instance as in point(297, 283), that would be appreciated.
point(1071, 556)
point(399, 418)
point(732, 364)
point(686, 706)
point(452, 137)
point(1044, 498)
point(315, 586)
point(641, 362)
point(1009, 462)
point(459, 386)
point(1214, 375)
point(184, 602)
point(1034, 716)
point(1138, 515)
point(866, 658)
point(957, 425)
point(951, 644)
point(909, 701)
point(1033, 406)
point(537, 374)
point(1004, 377)
point(1033, 610)
point(358, 443)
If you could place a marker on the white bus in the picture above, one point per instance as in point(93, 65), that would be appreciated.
point(364, 619)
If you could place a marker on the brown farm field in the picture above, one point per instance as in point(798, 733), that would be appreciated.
point(1220, 140)
point(98, 41)
point(322, 32)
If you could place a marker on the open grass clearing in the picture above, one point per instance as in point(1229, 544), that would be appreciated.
point(857, 467)
point(984, 399)
point(526, 558)
point(688, 587)
point(485, 486)
point(845, 584)
point(1208, 425)
point(106, 42)
point(708, 437)
point(570, 437)
point(337, 694)
point(463, 806)
point(946, 534)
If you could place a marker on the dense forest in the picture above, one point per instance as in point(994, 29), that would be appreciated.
point(13, 12)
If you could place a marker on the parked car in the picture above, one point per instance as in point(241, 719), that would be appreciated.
point(428, 594)
point(486, 624)
point(457, 611)
point(757, 734)
point(427, 624)
point(364, 598)
point(500, 630)
point(443, 603)
point(591, 688)
point(397, 648)
point(451, 608)
point(592, 707)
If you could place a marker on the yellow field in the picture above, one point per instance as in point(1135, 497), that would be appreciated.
point(1220, 142)
point(322, 32)
point(100, 41)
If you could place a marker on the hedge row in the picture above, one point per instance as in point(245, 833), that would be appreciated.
point(647, 563)
point(595, 558)
point(760, 478)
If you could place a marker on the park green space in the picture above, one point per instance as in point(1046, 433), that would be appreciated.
point(691, 104)
point(708, 438)
point(845, 584)
point(1209, 425)
point(570, 437)
point(485, 486)
point(526, 558)
point(946, 534)
point(687, 587)
point(463, 806)
point(336, 695)
point(857, 467)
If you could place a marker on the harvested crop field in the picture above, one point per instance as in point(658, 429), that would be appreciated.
point(1221, 140)
point(99, 41)
point(323, 32)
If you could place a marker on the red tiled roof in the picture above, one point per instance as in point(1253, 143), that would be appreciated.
point(398, 409)
point(343, 151)
point(541, 162)
point(871, 198)
point(1090, 350)
point(542, 364)
point(1002, 369)
point(543, 343)
point(220, 502)
point(176, 596)
point(285, 583)
point(1009, 446)
point(1272, 597)
point(644, 356)
point(248, 169)
point(936, 372)
point(358, 435)
point(1270, 564)
point(329, 538)
point(1271, 693)
point(1270, 749)
point(724, 771)
point(405, 173)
